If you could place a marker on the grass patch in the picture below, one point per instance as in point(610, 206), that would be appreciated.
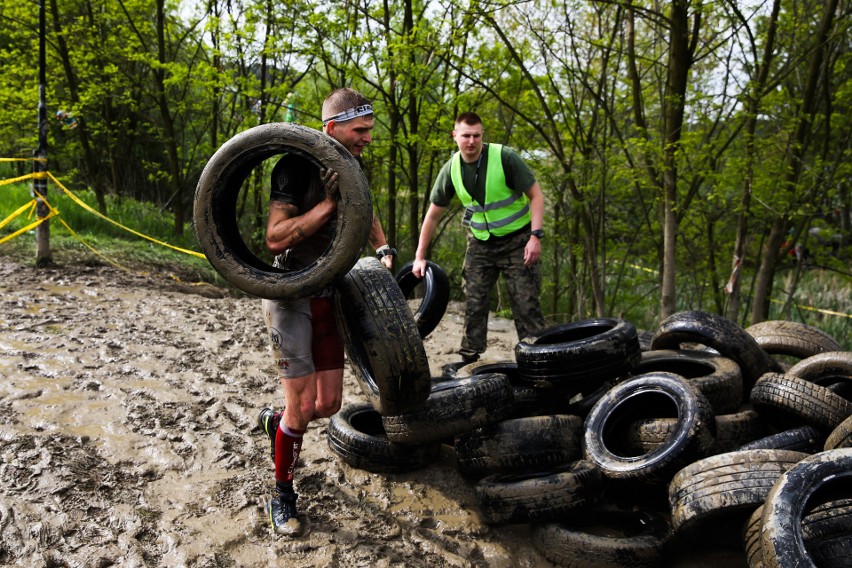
point(107, 243)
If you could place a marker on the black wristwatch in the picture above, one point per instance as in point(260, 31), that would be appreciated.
point(538, 233)
point(385, 250)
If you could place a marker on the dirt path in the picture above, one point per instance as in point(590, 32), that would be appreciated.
point(128, 438)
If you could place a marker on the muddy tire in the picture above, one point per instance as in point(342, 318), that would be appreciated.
point(790, 402)
point(713, 497)
point(436, 294)
point(724, 336)
point(824, 368)
point(778, 337)
point(717, 377)
point(787, 503)
point(578, 356)
point(215, 222)
point(453, 407)
point(384, 347)
point(517, 444)
point(604, 537)
point(355, 434)
point(840, 437)
point(537, 496)
point(654, 395)
point(732, 430)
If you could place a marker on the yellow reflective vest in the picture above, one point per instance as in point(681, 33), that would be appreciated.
point(504, 211)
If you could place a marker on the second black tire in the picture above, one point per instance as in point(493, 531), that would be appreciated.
point(579, 356)
point(384, 347)
point(436, 294)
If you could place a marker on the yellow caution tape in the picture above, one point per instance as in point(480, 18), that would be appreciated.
point(31, 205)
point(85, 206)
point(34, 175)
point(33, 225)
point(20, 210)
point(43, 160)
point(812, 309)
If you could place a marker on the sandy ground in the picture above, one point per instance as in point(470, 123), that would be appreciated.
point(128, 437)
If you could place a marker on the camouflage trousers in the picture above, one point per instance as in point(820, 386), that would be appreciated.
point(484, 261)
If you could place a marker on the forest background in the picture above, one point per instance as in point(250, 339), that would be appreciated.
point(693, 154)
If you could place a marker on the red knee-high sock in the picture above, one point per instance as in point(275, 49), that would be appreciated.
point(288, 444)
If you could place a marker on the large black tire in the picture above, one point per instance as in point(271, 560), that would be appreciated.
point(517, 444)
point(356, 435)
point(713, 497)
point(384, 348)
point(543, 495)
point(579, 356)
point(790, 402)
point(454, 407)
point(717, 377)
point(726, 337)
point(790, 498)
point(779, 337)
point(654, 395)
point(604, 537)
point(215, 210)
point(436, 294)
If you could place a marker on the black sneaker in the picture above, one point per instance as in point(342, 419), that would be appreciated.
point(269, 421)
point(283, 516)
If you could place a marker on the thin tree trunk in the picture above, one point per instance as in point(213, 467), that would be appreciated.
point(756, 94)
point(680, 61)
point(169, 138)
point(73, 93)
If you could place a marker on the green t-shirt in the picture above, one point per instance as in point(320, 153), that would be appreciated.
point(519, 177)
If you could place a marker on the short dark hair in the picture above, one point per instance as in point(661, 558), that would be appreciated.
point(470, 118)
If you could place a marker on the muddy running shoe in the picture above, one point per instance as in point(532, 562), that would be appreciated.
point(269, 421)
point(283, 516)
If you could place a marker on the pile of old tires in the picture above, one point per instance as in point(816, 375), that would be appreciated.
point(615, 446)
point(618, 452)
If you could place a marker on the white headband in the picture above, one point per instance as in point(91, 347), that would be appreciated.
point(349, 114)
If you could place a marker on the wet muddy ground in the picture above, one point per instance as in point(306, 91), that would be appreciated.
point(128, 437)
